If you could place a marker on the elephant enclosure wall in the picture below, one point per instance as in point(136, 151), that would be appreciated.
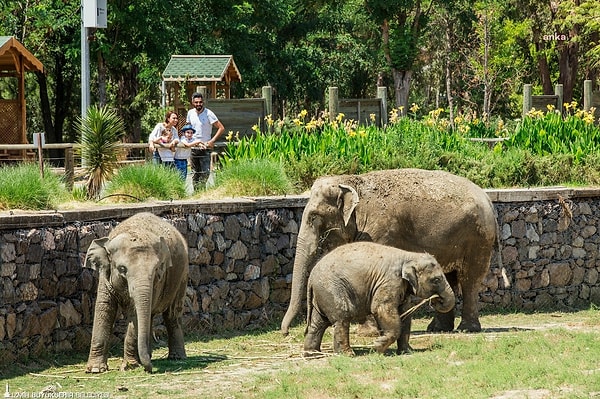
point(241, 259)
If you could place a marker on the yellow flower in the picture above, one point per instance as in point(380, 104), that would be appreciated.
point(256, 128)
point(297, 122)
point(229, 135)
point(372, 117)
point(550, 107)
point(269, 120)
point(351, 133)
point(302, 114)
point(414, 108)
point(339, 117)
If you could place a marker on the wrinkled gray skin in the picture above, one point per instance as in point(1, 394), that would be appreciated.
point(416, 210)
point(142, 269)
point(364, 278)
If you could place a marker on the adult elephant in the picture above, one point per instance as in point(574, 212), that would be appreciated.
point(412, 209)
point(142, 269)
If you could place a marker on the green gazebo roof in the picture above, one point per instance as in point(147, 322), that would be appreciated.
point(202, 68)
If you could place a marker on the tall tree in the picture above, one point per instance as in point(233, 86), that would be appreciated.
point(402, 23)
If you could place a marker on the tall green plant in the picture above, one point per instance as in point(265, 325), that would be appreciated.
point(101, 130)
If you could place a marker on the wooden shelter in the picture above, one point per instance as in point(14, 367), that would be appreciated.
point(15, 60)
point(210, 74)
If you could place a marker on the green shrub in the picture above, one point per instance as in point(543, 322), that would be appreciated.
point(142, 182)
point(22, 187)
point(256, 177)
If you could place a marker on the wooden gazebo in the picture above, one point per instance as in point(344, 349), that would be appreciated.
point(211, 74)
point(15, 60)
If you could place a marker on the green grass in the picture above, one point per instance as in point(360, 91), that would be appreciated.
point(519, 355)
point(137, 183)
point(22, 187)
point(252, 177)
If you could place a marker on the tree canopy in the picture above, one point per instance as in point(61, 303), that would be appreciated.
point(468, 56)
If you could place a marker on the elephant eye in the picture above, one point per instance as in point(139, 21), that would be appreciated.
point(122, 269)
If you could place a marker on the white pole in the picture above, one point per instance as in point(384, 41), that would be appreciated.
point(85, 68)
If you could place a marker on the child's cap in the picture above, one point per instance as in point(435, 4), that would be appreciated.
point(188, 127)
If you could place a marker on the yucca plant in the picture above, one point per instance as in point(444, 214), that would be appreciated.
point(101, 130)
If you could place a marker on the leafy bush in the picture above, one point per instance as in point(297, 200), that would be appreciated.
point(136, 183)
point(22, 187)
point(252, 177)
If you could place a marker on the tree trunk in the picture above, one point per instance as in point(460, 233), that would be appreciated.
point(568, 69)
point(402, 81)
point(447, 60)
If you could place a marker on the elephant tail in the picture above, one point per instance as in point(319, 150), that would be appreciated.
point(505, 278)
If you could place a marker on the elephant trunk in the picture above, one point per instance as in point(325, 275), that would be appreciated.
point(143, 304)
point(446, 301)
point(305, 252)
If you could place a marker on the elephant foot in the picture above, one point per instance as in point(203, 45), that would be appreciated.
point(96, 367)
point(129, 365)
point(312, 353)
point(404, 351)
point(443, 322)
point(177, 355)
point(347, 352)
point(473, 326)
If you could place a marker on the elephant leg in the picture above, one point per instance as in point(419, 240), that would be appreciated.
point(403, 345)
point(442, 322)
point(105, 313)
point(172, 320)
point(388, 319)
point(314, 333)
point(341, 338)
point(131, 357)
point(470, 309)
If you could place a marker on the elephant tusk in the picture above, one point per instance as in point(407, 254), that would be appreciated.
point(417, 306)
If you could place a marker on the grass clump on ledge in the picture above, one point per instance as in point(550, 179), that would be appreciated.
point(22, 187)
point(252, 177)
point(137, 183)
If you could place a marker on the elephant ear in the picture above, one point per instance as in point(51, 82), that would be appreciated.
point(347, 201)
point(409, 273)
point(97, 256)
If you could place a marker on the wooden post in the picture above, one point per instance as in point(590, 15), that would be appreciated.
point(267, 93)
point(558, 90)
point(382, 94)
point(587, 94)
point(526, 99)
point(69, 168)
point(333, 103)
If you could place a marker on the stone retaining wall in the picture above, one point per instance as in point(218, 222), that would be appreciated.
point(241, 260)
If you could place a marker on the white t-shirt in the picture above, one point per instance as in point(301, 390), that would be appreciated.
point(182, 152)
point(166, 155)
point(202, 123)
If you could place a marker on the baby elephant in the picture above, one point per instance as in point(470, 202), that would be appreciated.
point(363, 278)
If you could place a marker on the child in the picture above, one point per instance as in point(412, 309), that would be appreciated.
point(166, 147)
point(183, 150)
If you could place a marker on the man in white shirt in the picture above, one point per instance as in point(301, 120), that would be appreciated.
point(203, 120)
